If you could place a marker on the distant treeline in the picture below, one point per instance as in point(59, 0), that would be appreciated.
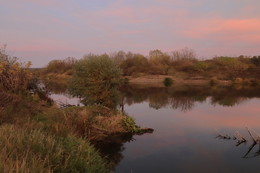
point(183, 61)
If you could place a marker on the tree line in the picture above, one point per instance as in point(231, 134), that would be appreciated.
point(184, 61)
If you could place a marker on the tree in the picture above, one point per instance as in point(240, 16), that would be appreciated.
point(184, 59)
point(184, 54)
point(134, 63)
point(96, 80)
point(118, 57)
point(159, 61)
point(60, 66)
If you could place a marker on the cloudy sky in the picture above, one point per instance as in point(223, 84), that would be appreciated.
point(41, 30)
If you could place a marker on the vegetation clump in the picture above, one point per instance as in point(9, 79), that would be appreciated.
point(168, 82)
point(214, 81)
point(129, 124)
point(61, 66)
point(238, 81)
point(14, 76)
point(256, 60)
point(96, 81)
point(201, 66)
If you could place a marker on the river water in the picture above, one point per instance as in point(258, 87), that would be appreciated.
point(187, 122)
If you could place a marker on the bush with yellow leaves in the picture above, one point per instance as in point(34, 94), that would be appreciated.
point(14, 76)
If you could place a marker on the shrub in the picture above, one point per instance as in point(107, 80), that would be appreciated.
point(61, 66)
point(130, 125)
point(167, 81)
point(184, 54)
point(256, 60)
point(213, 81)
point(14, 76)
point(183, 59)
point(238, 81)
point(159, 62)
point(230, 63)
point(134, 63)
point(200, 66)
point(119, 57)
point(96, 80)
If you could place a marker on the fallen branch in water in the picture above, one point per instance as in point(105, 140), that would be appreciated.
point(240, 139)
point(255, 140)
point(221, 136)
point(145, 130)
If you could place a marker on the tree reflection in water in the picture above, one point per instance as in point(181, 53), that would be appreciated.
point(112, 148)
point(184, 98)
point(181, 98)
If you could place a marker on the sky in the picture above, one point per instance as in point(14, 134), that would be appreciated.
point(43, 30)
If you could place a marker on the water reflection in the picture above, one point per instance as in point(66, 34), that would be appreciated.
point(58, 92)
point(112, 148)
point(253, 150)
point(180, 98)
point(186, 97)
point(184, 120)
point(56, 87)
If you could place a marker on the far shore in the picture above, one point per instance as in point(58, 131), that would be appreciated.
point(157, 81)
point(144, 80)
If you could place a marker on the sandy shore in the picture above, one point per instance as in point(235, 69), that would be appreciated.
point(157, 81)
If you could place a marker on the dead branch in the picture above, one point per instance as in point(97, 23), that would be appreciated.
point(255, 140)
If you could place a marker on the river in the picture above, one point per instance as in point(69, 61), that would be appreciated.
point(192, 126)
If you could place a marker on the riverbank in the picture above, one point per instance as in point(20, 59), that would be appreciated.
point(179, 80)
point(39, 137)
point(158, 81)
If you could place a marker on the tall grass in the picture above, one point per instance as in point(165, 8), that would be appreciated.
point(24, 150)
point(94, 123)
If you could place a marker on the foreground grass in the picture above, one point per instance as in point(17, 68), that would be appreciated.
point(26, 150)
point(36, 137)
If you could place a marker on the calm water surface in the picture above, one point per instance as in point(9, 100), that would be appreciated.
point(186, 122)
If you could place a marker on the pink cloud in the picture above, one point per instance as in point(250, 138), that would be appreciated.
point(42, 45)
point(247, 30)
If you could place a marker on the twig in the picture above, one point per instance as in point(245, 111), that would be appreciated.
point(241, 139)
point(222, 136)
point(255, 141)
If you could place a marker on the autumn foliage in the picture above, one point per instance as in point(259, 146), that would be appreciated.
point(14, 76)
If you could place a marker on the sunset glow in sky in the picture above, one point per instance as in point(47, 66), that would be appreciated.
point(42, 30)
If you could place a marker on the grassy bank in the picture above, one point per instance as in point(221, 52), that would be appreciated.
point(42, 138)
point(34, 150)
point(37, 136)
